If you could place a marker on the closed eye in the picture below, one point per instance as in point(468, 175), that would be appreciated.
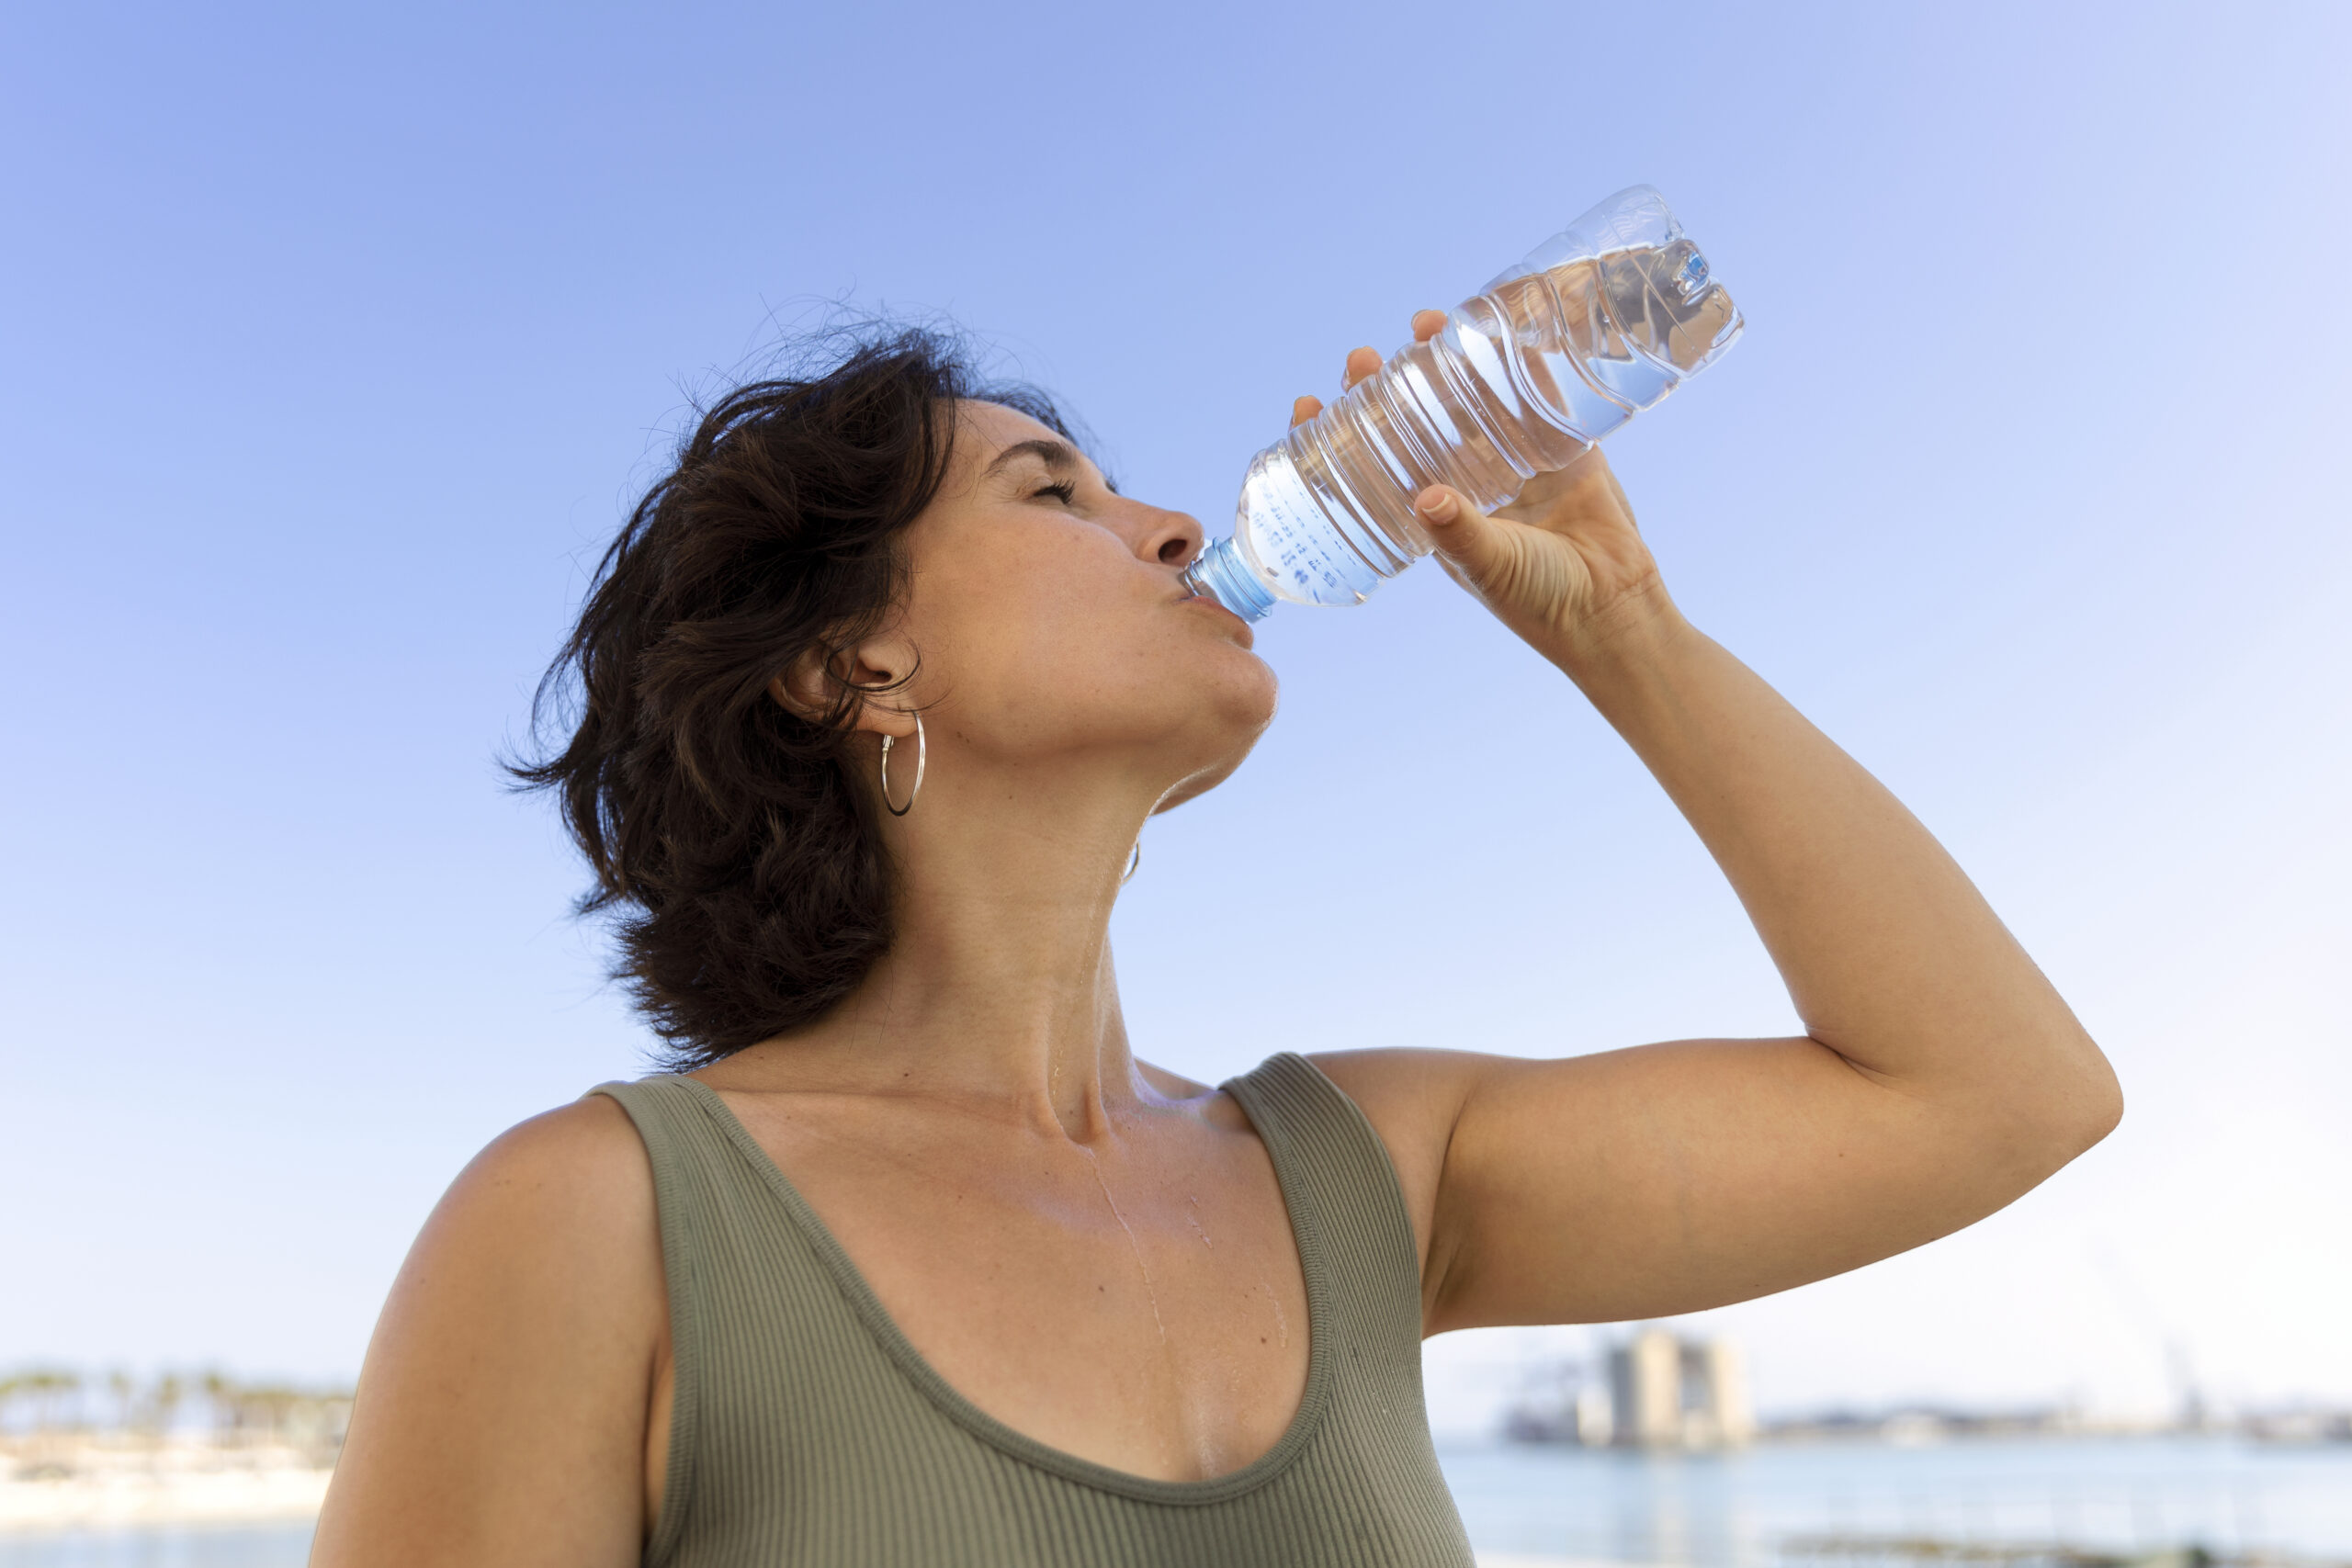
point(1065, 490)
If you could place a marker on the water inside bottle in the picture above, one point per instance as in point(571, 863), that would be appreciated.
point(1636, 320)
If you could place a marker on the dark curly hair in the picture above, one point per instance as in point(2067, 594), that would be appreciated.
point(748, 889)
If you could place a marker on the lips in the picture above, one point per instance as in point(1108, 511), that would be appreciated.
point(1249, 637)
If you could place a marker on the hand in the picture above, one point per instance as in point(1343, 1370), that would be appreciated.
point(1564, 566)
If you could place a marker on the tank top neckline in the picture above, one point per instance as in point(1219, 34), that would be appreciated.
point(883, 1329)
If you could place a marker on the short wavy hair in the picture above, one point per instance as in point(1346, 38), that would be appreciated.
point(739, 860)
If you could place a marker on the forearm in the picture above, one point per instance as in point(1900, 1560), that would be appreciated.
point(1892, 957)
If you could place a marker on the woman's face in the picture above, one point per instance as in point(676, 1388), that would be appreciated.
point(1050, 618)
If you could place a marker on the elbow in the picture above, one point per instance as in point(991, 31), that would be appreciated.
point(2090, 1105)
point(2056, 1100)
point(2092, 1122)
point(2108, 1112)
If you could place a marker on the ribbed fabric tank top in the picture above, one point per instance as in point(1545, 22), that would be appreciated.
point(806, 1429)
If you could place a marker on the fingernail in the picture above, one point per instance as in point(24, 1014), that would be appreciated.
point(1435, 504)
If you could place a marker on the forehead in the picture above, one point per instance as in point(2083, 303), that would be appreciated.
point(983, 430)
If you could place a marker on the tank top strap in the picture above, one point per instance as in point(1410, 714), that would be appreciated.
point(695, 1172)
point(1326, 1152)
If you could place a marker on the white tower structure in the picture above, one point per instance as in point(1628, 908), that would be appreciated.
point(1665, 1392)
point(1646, 1390)
point(1727, 1399)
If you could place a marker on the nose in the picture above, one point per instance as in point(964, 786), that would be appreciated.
point(1172, 539)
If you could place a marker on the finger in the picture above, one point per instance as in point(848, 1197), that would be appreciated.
point(1303, 408)
point(1466, 537)
point(1362, 362)
point(1427, 324)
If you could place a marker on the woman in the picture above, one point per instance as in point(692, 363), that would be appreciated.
point(914, 1262)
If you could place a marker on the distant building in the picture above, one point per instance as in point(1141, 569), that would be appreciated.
point(1646, 1390)
point(1665, 1392)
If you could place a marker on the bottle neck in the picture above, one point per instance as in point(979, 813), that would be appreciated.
point(1220, 573)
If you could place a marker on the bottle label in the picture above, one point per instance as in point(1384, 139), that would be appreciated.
point(1297, 550)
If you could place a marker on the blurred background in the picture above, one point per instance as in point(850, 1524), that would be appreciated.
point(335, 342)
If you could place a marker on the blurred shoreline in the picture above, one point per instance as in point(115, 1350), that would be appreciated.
point(115, 1453)
point(117, 1483)
point(1578, 1475)
point(1828, 1504)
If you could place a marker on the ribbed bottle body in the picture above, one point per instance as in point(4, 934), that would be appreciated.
point(1600, 322)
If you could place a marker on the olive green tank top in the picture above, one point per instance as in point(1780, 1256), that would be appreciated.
point(806, 1429)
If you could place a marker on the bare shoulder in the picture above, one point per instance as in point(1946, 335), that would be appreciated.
point(1407, 1081)
point(1174, 1084)
point(507, 1383)
point(566, 1194)
point(1413, 1099)
point(552, 1223)
point(581, 1162)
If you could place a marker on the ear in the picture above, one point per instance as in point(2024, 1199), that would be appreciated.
point(810, 685)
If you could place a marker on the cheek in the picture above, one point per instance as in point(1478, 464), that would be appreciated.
point(1030, 626)
point(1016, 574)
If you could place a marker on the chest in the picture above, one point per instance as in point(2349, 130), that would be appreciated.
point(1138, 1302)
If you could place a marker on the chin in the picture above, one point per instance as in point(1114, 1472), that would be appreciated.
point(1246, 696)
point(1229, 729)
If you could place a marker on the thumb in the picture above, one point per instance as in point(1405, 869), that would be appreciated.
point(1466, 537)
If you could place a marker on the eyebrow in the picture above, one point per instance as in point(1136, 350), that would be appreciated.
point(1056, 455)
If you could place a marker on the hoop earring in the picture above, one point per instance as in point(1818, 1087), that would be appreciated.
point(1135, 859)
point(922, 753)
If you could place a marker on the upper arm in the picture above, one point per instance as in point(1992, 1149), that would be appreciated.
point(501, 1415)
point(1668, 1178)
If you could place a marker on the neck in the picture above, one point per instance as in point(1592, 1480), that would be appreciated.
point(998, 989)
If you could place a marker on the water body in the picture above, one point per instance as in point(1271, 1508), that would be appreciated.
point(208, 1545)
point(1714, 1510)
point(1734, 1510)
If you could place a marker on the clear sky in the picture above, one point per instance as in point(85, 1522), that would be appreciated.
point(333, 338)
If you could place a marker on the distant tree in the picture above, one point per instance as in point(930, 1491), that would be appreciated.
point(52, 1389)
point(220, 1394)
point(269, 1407)
point(164, 1404)
point(124, 1392)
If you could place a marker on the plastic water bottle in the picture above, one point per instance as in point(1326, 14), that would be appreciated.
point(1597, 324)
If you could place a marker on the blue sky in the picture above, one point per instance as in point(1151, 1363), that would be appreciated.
point(334, 340)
